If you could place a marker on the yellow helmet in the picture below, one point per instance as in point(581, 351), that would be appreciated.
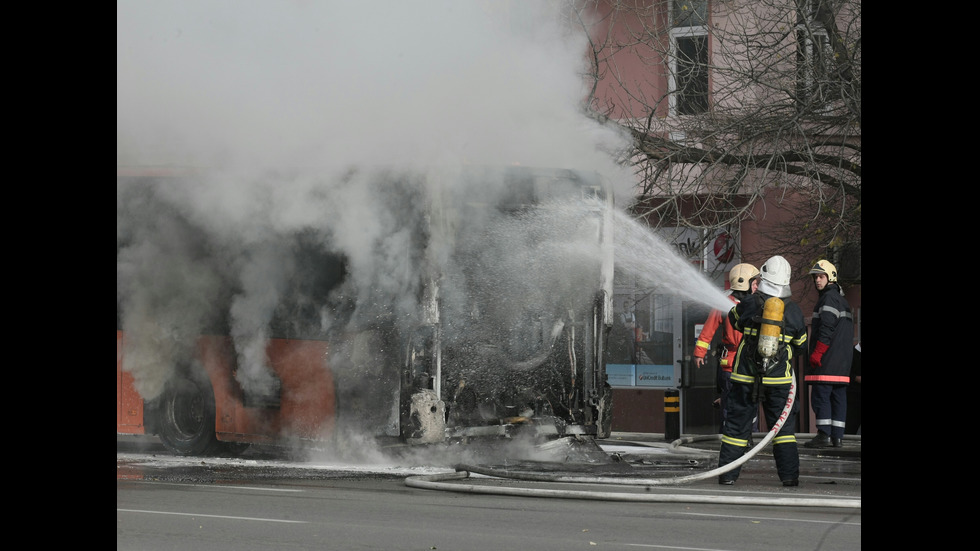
point(825, 267)
point(741, 275)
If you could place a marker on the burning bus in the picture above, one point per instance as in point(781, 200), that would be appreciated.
point(418, 305)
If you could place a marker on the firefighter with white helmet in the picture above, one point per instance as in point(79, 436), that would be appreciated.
point(763, 375)
point(775, 277)
point(831, 351)
point(743, 280)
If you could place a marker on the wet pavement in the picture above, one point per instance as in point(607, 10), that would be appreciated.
point(629, 457)
point(828, 472)
point(416, 497)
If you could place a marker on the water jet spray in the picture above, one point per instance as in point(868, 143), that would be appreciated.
point(641, 253)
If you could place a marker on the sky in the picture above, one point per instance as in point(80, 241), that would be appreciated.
point(316, 87)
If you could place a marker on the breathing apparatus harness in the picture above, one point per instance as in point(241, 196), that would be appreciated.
point(770, 339)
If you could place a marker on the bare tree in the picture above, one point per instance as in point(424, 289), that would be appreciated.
point(732, 104)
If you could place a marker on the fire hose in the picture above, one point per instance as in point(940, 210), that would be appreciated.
point(442, 482)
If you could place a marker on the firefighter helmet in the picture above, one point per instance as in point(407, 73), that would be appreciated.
point(740, 277)
point(824, 267)
point(776, 270)
point(775, 278)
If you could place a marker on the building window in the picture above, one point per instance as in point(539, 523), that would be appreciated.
point(689, 13)
point(689, 59)
point(814, 57)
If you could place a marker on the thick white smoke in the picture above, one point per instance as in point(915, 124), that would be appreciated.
point(278, 100)
point(337, 82)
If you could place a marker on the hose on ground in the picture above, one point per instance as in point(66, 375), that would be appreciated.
point(666, 481)
point(463, 471)
point(439, 482)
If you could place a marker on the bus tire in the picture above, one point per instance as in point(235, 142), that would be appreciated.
point(186, 417)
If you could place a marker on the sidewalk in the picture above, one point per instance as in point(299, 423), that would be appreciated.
point(702, 443)
point(827, 472)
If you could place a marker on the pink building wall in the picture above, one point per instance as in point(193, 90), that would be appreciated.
point(641, 410)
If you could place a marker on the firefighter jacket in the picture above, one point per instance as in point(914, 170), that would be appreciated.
point(833, 325)
point(729, 339)
point(746, 316)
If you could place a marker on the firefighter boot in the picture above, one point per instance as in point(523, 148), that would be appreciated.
point(821, 440)
point(837, 442)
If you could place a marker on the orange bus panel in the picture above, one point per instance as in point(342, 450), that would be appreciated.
point(129, 404)
point(307, 401)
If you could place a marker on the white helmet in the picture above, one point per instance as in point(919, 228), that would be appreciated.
point(776, 271)
point(740, 277)
point(775, 277)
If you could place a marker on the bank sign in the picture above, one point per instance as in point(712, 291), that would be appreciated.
point(643, 375)
point(711, 249)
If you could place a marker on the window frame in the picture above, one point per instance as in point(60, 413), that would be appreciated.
point(814, 57)
point(673, 84)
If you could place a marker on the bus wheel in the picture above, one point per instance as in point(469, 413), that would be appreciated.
point(186, 422)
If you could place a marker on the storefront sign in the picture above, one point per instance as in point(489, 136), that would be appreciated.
point(659, 376)
point(641, 375)
point(621, 374)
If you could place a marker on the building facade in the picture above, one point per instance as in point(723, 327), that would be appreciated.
point(746, 119)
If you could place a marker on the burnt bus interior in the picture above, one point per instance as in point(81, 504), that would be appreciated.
point(537, 368)
point(491, 344)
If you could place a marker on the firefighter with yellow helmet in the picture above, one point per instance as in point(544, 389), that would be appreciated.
point(742, 281)
point(763, 371)
point(832, 348)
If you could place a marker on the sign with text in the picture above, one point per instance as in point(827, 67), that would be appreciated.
point(712, 250)
point(621, 374)
point(658, 376)
point(641, 375)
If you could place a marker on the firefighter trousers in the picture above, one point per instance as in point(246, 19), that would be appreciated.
point(829, 403)
point(741, 410)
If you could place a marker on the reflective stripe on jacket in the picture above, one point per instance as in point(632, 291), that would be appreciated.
point(729, 339)
point(833, 325)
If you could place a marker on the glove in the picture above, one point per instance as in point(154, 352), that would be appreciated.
point(817, 355)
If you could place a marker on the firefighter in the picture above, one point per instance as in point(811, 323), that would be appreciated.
point(743, 280)
point(765, 373)
point(831, 351)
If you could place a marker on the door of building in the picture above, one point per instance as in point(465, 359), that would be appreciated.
point(698, 385)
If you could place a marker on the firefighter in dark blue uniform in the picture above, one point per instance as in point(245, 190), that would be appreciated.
point(832, 347)
point(757, 378)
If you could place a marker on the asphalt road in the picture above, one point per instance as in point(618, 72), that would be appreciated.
point(273, 499)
